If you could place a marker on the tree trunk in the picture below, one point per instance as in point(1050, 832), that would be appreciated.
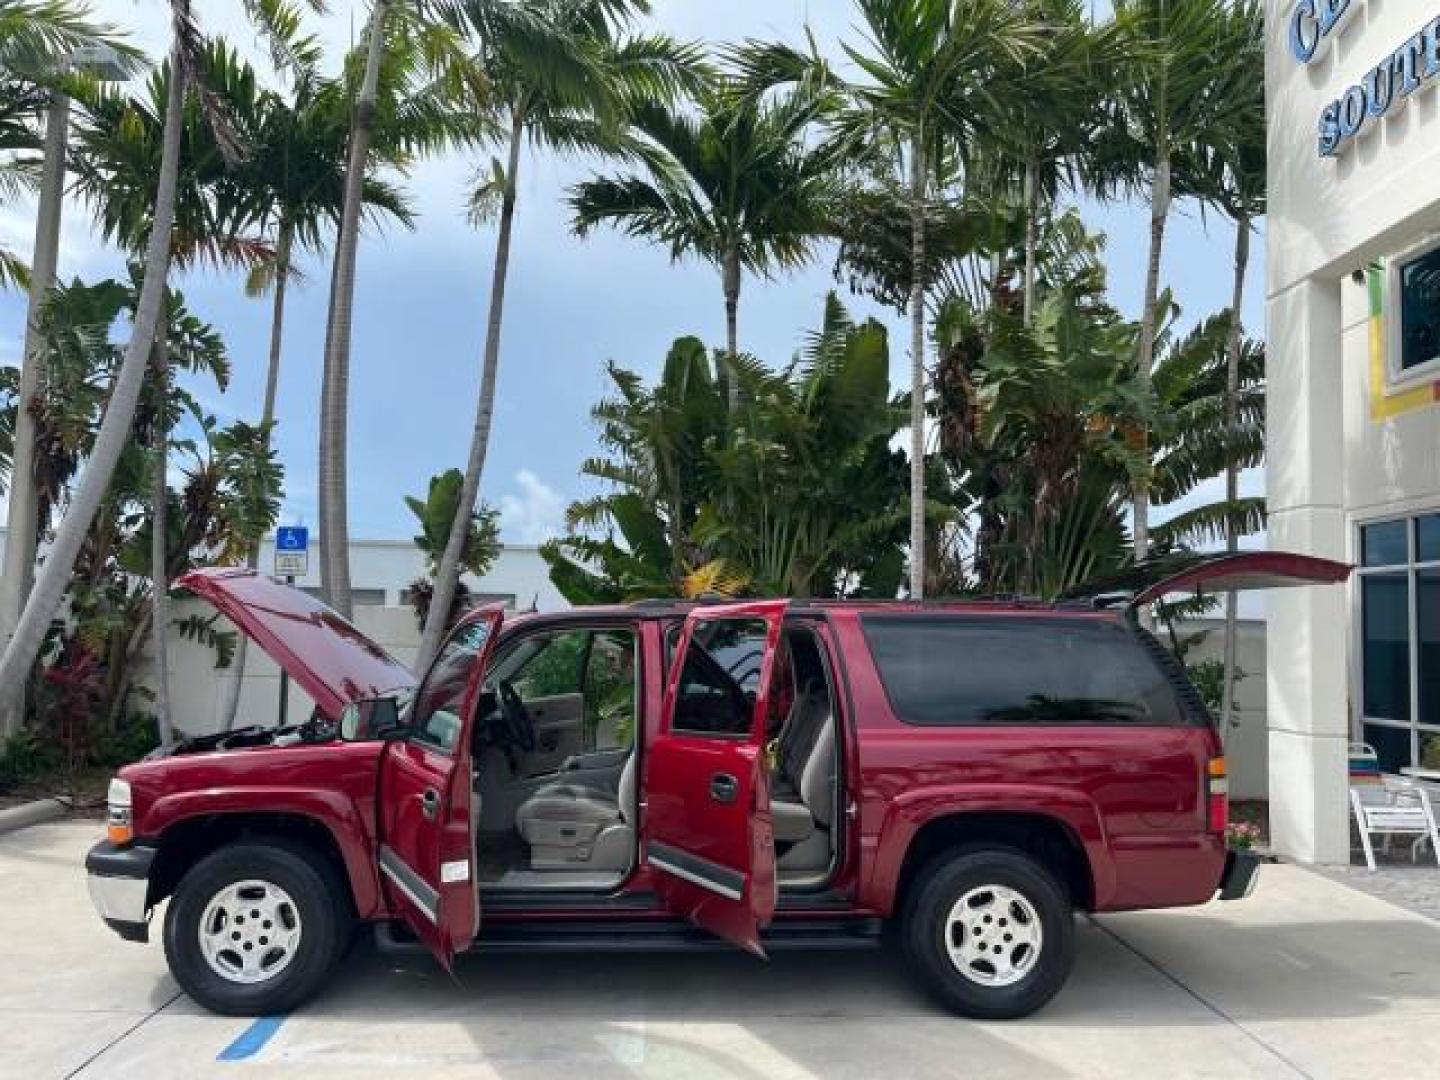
point(730, 282)
point(1232, 471)
point(917, 368)
point(1032, 213)
point(334, 525)
point(230, 701)
point(22, 518)
point(110, 441)
point(159, 577)
point(1159, 211)
point(448, 574)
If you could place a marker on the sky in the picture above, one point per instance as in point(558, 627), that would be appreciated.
point(572, 305)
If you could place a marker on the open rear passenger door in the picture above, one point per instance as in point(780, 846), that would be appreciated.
point(707, 826)
point(426, 848)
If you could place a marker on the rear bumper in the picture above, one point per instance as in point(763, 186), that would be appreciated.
point(119, 880)
point(1242, 870)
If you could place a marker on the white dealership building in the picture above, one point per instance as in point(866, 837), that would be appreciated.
point(1353, 463)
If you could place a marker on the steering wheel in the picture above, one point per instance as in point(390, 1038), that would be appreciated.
point(516, 726)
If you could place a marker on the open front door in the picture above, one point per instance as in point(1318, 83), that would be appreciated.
point(707, 826)
point(426, 847)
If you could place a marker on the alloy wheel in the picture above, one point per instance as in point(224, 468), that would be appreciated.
point(993, 935)
point(250, 931)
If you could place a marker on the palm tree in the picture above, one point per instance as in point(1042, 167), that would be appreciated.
point(1181, 90)
point(805, 497)
point(414, 78)
point(49, 587)
point(121, 138)
point(932, 72)
point(560, 75)
point(1231, 175)
point(37, 40)
point(735, 185)
point(1049, 125)
point(434, 514)
point(1030, 412)
point(335, 381)
point(292, 188)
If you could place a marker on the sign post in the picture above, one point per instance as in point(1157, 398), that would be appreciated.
point(292, 560)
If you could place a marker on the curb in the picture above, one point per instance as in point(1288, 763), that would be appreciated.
point(33, 813)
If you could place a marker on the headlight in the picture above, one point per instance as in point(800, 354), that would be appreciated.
point(119, 824)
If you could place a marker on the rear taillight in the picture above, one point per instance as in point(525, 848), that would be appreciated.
point(1217, 792)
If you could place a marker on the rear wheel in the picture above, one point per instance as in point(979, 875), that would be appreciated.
point(255, 928)
point(991, 931)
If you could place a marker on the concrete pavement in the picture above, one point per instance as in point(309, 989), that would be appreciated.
point(1308, 978)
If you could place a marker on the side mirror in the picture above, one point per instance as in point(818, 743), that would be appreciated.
point(376, 718)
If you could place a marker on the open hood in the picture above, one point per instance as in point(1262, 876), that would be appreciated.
point(1238, 571)
point(331, 661)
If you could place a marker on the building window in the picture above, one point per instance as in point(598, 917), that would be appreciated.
point(1420, 310)
point(358, 597)
point(1399, 582)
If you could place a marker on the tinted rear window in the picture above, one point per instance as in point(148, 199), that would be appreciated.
point(954, 671)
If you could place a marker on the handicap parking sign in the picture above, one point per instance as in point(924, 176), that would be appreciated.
point(292, 550)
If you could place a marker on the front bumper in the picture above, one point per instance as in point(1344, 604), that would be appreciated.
point(1242, 870)
point(119, 879)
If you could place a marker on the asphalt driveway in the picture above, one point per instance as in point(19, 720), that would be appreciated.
point(1308, 978)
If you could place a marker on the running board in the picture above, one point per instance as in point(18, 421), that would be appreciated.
point(667, 936)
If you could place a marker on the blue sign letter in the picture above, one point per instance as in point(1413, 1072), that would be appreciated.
point(1304, 32)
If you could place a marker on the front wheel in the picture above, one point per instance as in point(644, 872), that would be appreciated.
point(992, 932)
point(253, 929)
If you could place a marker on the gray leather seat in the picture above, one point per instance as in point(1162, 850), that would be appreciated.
point(802, 795)
point(571, 826)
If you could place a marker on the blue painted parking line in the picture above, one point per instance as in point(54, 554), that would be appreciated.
point(252, 1040)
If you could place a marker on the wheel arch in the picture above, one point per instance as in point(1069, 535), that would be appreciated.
point(187, 840)
point(1049, 838)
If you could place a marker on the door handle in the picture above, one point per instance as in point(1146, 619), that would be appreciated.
point(430, 803)
point(724, 787)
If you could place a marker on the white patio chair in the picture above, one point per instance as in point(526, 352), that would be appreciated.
point(1394, 809)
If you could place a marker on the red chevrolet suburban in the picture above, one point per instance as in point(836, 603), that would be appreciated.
point(663, 774)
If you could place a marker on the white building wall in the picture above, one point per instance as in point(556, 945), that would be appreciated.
point(381, 571)
point(1247, 750)
point(389, 566)
point(1340, 447)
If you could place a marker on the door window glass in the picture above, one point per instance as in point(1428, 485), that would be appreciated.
point(555, 697)
point(712, 698)
point(436, 717)
point(550, 666)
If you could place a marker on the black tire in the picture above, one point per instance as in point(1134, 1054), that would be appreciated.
point(967, 872)
point(318, 899)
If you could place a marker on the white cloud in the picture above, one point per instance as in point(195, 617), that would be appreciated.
point(536, 514)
